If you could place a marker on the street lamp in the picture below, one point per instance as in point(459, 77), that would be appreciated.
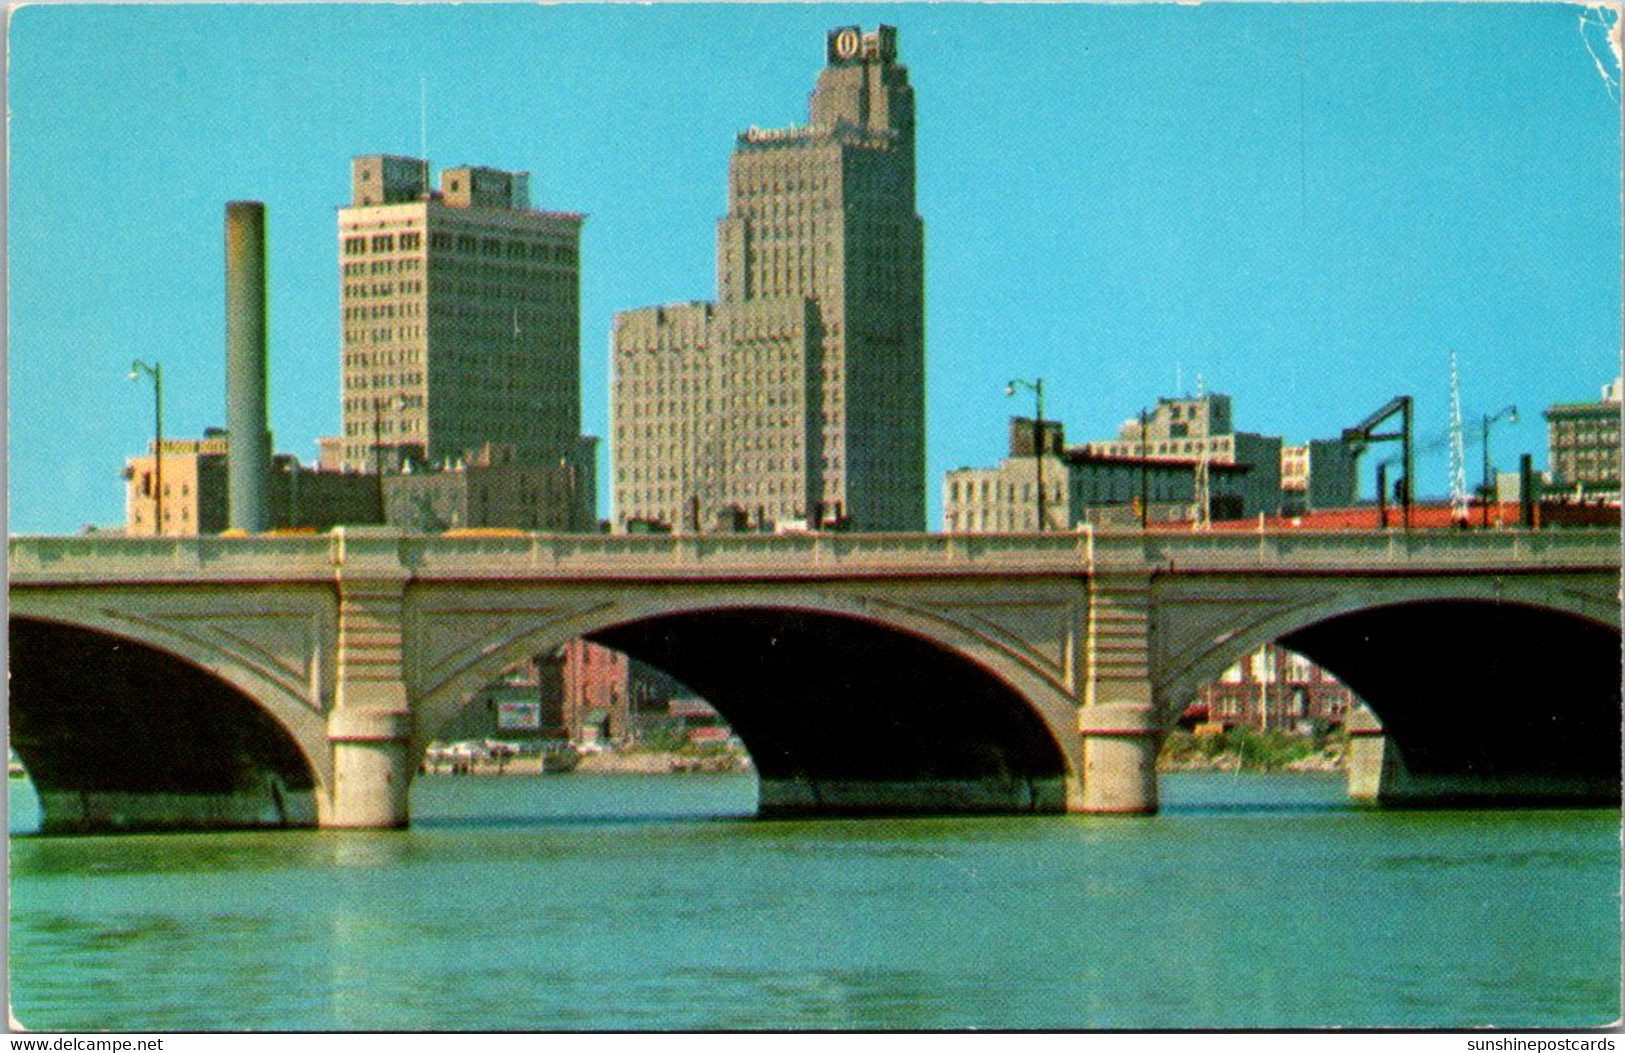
point(397, 403)
point(156, 372)
point(1037, 388)
point(1510, 415)
point(1145, 471)
point(377, 438)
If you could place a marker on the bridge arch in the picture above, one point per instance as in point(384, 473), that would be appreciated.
point(843, 707)
point(120, 732)
point(1490, 690)
point(1191, 663)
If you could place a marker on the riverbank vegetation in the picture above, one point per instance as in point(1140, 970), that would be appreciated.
point(1242, 749)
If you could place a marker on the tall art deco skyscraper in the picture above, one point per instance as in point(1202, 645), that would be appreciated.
point(800, 393)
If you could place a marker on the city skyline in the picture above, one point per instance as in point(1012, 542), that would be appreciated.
point(1308, 207)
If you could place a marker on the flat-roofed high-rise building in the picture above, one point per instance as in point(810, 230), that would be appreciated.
point(461, 318)
point(800, 393)
point(1583, 441)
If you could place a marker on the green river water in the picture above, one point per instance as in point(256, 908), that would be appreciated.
point(597, 902)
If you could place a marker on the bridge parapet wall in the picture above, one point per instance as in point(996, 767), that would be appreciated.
point(1381, 550)
point(97, 559)
point(104, 560)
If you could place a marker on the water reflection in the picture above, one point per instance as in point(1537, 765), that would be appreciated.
point(584, 912)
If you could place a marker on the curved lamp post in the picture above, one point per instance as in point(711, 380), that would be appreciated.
point(1510, 415)
point(397, 405)
point(156, 372)
point(1037, 388)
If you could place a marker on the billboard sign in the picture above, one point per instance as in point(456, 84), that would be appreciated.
point(519, 716)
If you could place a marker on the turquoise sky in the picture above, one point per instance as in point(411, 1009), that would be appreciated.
point(1307, 206)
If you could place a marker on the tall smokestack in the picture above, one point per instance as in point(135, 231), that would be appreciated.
point(248, 479)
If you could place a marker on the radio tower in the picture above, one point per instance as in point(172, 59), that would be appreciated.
point(1458, 459)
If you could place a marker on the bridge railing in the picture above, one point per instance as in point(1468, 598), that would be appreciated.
point(1332, 550)
point(772, 554)
point(105, 558)
point(319, 557)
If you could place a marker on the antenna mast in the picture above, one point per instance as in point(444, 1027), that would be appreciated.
point(1459, 509)
point(1202, 514)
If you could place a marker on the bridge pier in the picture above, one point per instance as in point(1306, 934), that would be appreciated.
point(372, 769)
point(370, 726)
point(1120, 744)
point(1118, 726)
point(1368, 749)
point(1379, 776)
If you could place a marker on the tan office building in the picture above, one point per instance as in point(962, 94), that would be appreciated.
point(1583, 445)
point(1082, 486)
point(1193, 430)
point(195, 492)
point(489, 487)
point(461, 318)
point(800, 394)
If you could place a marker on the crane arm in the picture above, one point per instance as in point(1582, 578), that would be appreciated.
point(1364, 433)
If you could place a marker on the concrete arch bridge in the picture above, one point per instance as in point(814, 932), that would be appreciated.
point(296, 681)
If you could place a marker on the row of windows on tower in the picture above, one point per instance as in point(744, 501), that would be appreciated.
point(754, 181)
point(462, 244)
point(1218, 446)
point(770, 280)
point(375, 311)
point(661, 501)
point(781, 208)
point(358, 245)
point(998, 490)
point(743, 470)
point(668, 370)
point(361, 269)
point(358, 381)
point(767, 228)
point(555, 321)
point(470, 245)
point(1588, 432)
point(383, 335)
point(543, 288)
point(383, 426)
point(502, 271)
point(366, 290)
point(767, 389)
point(647, 401)
point(759, 429)
point(365, 359)
point(185, 515)
point(381, 403)
point(671, 349)
point(645, 463)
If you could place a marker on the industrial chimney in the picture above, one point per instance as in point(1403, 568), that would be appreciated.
point(248, 479)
